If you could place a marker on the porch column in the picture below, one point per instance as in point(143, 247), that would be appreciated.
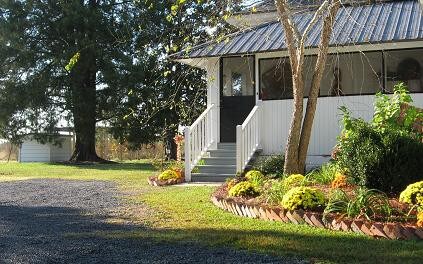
point(213, 97)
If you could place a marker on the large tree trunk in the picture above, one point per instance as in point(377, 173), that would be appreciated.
point(84, 106)
point(83, 88)
point(293, 141)
point(300, 131)
point(319, 68)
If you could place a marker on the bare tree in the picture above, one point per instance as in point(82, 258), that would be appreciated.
point(300, 128)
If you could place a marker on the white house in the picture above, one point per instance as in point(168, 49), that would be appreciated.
point(249, 96)
point(33, 151)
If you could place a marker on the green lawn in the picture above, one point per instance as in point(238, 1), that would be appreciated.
point(186, 213)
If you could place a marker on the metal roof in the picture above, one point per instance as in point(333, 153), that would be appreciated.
point(354, 25)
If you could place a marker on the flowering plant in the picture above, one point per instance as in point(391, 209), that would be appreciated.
point(178, 139)
point(303, 198)
point(413, 194)
point(169, 175)
point(340, 181)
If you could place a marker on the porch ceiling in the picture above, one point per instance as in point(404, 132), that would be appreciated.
point(387, 22)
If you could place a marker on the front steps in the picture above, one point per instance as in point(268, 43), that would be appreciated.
point(219, 165)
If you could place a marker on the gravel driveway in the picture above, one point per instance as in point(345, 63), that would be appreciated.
point(40, 221)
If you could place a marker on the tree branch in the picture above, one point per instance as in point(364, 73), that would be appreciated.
point(292, 34)
point(314, 20)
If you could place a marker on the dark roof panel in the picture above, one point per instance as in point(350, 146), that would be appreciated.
point(354, 25)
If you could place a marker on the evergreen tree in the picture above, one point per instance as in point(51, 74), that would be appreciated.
point(66, 60)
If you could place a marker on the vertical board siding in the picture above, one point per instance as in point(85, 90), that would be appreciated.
point(63, 152)
point(32, 151)
point(327, 122)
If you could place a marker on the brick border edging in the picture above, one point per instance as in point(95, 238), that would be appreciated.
point(375, 229)
point(153, 181)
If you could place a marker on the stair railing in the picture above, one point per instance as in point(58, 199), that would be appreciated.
point(248, 138)
point(198, 139)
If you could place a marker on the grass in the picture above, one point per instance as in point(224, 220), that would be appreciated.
point(186, 214)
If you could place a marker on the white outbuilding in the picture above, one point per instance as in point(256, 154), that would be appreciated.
point(33, 151)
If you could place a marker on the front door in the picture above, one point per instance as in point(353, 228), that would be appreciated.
point(236, 94)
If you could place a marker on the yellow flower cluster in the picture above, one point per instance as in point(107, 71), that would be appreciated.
point(420, 219)
point(413, 194)
point(254, 174)
point(293, 180)
point(340, 181)
point(244, 188)
point(231, 183)
point(168, 175)
point(303, 198)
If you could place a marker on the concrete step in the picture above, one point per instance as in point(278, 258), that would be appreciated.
point(220, 161)
point(220, 153)
point(219, 169)
point(210, 177)
point(228, 146)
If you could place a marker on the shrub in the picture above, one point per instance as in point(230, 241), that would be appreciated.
point(274, 191)
point(325, 174)
point(387, 161)
point(340, 181)
point(413, 194)
point(420, 219)
point(303, 198)
point(294, 180)
point(396, 114)
point(168, 175)
point(272, 165)
point(231, 182)
point(369, 204)
point(255, 177)
point(244, 188)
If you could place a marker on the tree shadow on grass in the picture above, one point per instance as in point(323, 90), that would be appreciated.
point(128, 166)
point(317, 247)
point(65, 235)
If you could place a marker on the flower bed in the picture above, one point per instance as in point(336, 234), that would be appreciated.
point(154, 181)
point(253, 208)
point(373, 184)
point(170, 173)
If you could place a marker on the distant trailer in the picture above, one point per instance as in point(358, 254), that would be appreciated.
point(33, 151)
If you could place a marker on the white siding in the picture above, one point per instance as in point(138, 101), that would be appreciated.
point(61, 152)
point(32, 151)
point(326, 127)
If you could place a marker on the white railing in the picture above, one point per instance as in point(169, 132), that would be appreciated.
point(248, 138)
point(198, 139)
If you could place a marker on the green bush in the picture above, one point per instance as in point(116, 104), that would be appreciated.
point(244, 188)
point(272, 165)
point(325, 174)
point(413, 194)
point(303, 198)
point(168, 175)
point(395, 113)
point(387, 161)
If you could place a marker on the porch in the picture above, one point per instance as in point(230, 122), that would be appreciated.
point(245, 116)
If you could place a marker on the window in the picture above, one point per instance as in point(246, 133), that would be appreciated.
point(275, 79)
point(404, 66)
point(345, 74)
point(352, 74)
point(238, 76)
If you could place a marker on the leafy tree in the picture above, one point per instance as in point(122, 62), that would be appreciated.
point(176, 93)
point(67, 60)
point(94, 61)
